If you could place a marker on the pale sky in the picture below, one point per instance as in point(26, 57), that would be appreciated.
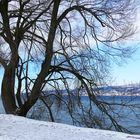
point(127, 73)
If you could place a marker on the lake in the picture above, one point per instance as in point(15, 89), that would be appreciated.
point(129, 111)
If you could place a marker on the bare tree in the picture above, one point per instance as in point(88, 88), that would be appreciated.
point(67, 43)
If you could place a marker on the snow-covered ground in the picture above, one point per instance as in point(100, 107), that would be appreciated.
point(20, 128)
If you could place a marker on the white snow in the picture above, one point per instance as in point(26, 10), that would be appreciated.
point(20, 128)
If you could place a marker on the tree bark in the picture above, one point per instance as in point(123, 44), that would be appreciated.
point(7, 92)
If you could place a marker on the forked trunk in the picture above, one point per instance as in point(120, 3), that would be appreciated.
point(8, 83)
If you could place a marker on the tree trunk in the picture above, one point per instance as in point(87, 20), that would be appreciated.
point(36, 90)
point(7, 92)
point(8, 96)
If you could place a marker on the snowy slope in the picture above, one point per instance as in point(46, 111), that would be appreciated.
point(19, 128)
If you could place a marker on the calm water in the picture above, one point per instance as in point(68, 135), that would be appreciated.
point(129, 115)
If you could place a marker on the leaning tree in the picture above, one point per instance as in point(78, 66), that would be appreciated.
point(50, 45)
